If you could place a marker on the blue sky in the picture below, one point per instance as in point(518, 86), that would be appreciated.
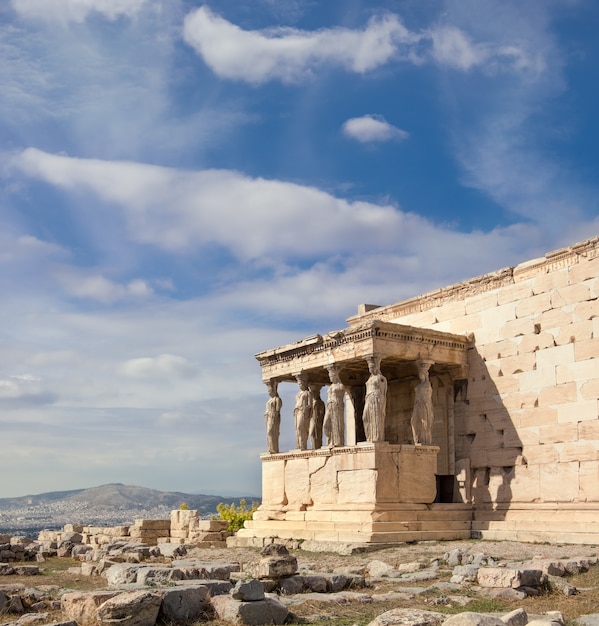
point(186, 184)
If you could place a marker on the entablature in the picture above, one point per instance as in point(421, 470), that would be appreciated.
point(398, 345)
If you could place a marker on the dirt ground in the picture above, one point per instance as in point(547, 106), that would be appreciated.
point(361, 611)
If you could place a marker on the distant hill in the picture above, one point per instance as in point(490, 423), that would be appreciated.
point(106, 505)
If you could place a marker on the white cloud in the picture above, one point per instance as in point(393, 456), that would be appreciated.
point(372, 128)
point(289, 54)
point(452, 47)
point(162, 366)
point(179, 211)
point(76, 10)
point(93, 286)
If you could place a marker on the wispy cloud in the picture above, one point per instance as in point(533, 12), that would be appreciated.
point(372, 128)
point(289, 54)
point(76, 10)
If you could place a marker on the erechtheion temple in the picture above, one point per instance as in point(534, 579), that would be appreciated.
point(471, 411)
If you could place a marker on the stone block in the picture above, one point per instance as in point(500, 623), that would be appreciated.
point(183, 605)
point(558, 433)
point(559, 482)
point(579, 451)
point(517, 363)
point(585, 311)
point(515, 293)
point(534, 381)
point(588, 429)
point(536, 417)
point(549, 281)
point(554, 319)
point(151, 524)
point(589, 481)
point(516, 328)
point(525, 483)
point(577, 412)
point(417, 469)
point(297, 482)
point(482, 302)
point(532, 307)
point(273, 481)
point(509, 578)
point(558, 394)
point(267, 611)
point(466, 324)
point(552, 357)
point(357, 486)
point(535, 341)
point(323, 482)
point(131, 608)
point(542, 454)
point(571, 333)
point(81, 606)
point(212, 525)
point(588, 349)
point(449, 311)
point(572, 294)
point(590, 389)
point(584, 270)
point(580, 372)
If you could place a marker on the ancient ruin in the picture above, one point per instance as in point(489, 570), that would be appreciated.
point(471, 411)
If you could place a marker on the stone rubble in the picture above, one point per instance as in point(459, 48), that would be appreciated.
point(168, 583)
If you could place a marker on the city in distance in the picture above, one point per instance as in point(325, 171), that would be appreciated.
point(107, 505)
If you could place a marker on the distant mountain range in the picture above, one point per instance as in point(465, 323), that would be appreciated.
point(108, 505)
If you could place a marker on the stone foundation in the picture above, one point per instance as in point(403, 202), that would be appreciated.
point(369, 493)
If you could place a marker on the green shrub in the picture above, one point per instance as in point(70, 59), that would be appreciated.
point(236, 515)
point(183, 506)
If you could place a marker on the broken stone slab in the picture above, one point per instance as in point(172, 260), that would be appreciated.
point(377, 568)
point(342, 597)
point(184, 604)
point(121, 574)
point(215, 587)
point(426, 574)
point(207, 569)
point(172, 550)
point(267, 611)
point(6, 569)
point(291, 585)
point(81, 606)
point(506, 577)
point(562, 585)
point(26, 570)
point(464, 574)
point(315, 583)
point(501, 594)
point(517, 617)
point(131, 608)
point(468, 618)
point(592, 619)
point(248, 590)
point(408, 617)
point(454, 557)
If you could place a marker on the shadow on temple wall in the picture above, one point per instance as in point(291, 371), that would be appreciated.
point(488, 447)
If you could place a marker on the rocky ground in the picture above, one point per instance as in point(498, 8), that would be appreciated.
point(422, 583)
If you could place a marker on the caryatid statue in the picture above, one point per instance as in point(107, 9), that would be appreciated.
point(375, 404)
point(272, 416)
point(317, 417)
point(334, 422)
point(423, 415)
point(302, 412)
